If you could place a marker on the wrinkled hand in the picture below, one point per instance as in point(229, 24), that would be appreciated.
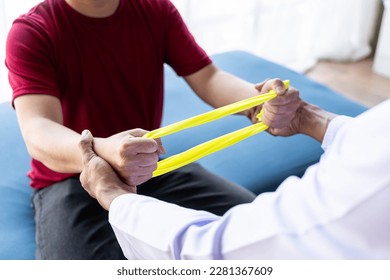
point(281, 114)
point(134, 158)
point(98, 178)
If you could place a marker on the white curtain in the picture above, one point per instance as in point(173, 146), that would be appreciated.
point(295, 33)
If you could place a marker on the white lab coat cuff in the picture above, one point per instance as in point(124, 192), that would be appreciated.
point(333, 127)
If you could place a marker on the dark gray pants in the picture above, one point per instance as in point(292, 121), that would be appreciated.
point(72, 225)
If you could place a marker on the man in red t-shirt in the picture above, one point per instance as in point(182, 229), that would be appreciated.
point(98, 65)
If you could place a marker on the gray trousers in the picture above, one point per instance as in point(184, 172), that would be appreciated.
point(72, 225)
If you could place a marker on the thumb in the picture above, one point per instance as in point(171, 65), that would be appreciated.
point(85, 145)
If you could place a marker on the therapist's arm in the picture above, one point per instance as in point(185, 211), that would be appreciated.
point(326, 214)
point(309, 119)
point(101, 182)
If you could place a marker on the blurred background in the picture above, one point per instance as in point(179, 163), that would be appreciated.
point(342, 43)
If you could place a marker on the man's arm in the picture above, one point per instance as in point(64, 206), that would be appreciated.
point(47, 140)
point(285, 115)
point(50, 142)
point(219, 88)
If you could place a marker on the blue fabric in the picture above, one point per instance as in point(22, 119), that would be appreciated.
point(17, 232)
point(259, 163)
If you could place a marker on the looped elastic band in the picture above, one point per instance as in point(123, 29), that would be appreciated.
point(216, 144)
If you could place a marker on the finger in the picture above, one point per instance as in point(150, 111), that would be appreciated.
point(83, 178)
point(138, 145)
point(277, 121)
point(144, 160)
point(138, 180)
point(85, 146)
point(270, 110)
point(146, 170)
point(259, 86)
point(281, 106)
point(275, 84)
point(160, 147)
point(138, 132)
point(84, 183)
point(291, 95)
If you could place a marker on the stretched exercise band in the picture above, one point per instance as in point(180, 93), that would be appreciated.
point(216, 144)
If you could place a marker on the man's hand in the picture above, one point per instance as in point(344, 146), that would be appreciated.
point(98, 178)
point(134, 158)
point(280, 113)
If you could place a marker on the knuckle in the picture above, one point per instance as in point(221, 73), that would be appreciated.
point(122, 154)
point(155, 158)
point(147, 159)
point(293, 93)
point(154, 167)
point(149, 147)
point(123, 144)
point(148, 170)
point(123, 166)
point(137, 131)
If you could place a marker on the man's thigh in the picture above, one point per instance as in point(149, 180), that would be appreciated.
point(194, 187)
point(72, 225)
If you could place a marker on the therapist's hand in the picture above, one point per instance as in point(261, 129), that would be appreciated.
point(98, 178)
point(281, 114)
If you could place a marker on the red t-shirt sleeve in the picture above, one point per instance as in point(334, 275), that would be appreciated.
point(182, 52)
point(28, 59)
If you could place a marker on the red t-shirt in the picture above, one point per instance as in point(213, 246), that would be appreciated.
point(107, 72)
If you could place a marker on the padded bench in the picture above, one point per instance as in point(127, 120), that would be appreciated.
point(259, 163)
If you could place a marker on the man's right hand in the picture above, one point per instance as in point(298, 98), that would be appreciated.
point(134, 158)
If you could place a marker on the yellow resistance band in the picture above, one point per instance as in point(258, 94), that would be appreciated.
point(214, 145)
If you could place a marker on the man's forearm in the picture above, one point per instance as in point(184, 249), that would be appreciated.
point(54, 145)
point(226, 89)
point(219, 88)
